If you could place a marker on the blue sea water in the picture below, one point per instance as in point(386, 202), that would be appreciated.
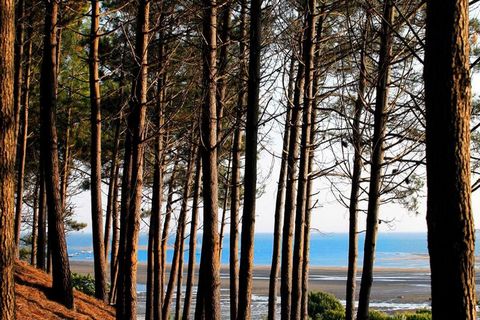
point(395, 250)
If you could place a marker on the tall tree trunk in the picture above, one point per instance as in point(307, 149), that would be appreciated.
point(7, 160)
point(356, 175)
point(193, 240)
point(111, 201)
point(209, 285)
point(303, 174)
point(290, 195)
point(115, 240)
point(280, 200)
point(100, 265)
point(380, 121)
point(136, 127)
point(250, 179)
point(42, 220)
point(62, 290)
point(166, 225)
point(224, 205)
point(33, 254)
point(222, 65)
point(449, 215)
point(65, 172)
point(236, 164)
point(179, 237)
point(17, 100)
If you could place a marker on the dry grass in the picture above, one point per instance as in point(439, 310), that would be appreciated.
point(32, 288)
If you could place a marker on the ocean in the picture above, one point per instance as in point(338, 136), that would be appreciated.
point(394, 250)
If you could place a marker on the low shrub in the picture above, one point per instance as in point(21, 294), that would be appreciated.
point(85, 284)
point(319, 303)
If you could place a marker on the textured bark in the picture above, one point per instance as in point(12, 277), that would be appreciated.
point(225, 203)
point(65, 172)
point(449, 214)
point(305, 149)
point(209, 286)
point(280, 200)
point(223, 64)
point(193, 240)
point(62, 290)
point(380, 120)
point(290, 195)
point(355, 187)
point(136, 128)
point(17, 101)
point(250, 179)
point(33, 254)
point(100, 266)
point(236, 164)
point(7, 161)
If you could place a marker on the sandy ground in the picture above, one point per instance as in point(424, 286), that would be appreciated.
point(391, 285)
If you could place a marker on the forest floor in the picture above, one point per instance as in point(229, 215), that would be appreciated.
point(32, 288)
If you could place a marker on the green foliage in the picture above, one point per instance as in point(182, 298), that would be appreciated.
point(85, 284)
point(324, 306)
point(378, 315)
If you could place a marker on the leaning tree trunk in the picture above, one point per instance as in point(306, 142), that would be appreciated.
point(192, 246)
point(380, 121)
point(208, 295)
point(7, 160)
point(136, 128)
point(62, 290)
point(451, 234)
point(250, 179)
point(100, 266)
point(303, 174)
point(280, 200)
point(355, 188)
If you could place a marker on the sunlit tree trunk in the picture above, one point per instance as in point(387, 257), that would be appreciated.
point(7, 160)
point(62, 285)
point(451, 233)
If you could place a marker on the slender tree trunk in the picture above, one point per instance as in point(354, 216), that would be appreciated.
point(290, 195)
point(7, 160)
point(62, 290)
point(193, 240)
point(380, 120)
point(179, 237)
point(209, 286)
point(236, 164)
point(33, 255)
point(178, 299)
point(100, 265)
point(280, 200)
point(136, 126)
point(17, 100)
point(150, 266)
point(451, 234)
point(115, 240)
point(224, 205)
point(302, 206)
point(222, 65)
point(111, 187)
point(355, 188)
point(166, 226)
point(42, 220)
point(250, 179)
point(66, 163)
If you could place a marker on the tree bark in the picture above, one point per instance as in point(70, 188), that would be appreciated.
point(62, 290)
point(305, 147)
point(449, 215)
point(136, 128)
point(209, 286)
point(280, 200)
point(193, 240)
point(17, 100)
point(42, 220)
point(355, 187)
point(7, 160)
point(290, 195)
point(380, 121)
point(33, 254)
point(100, 266)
